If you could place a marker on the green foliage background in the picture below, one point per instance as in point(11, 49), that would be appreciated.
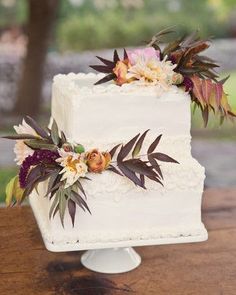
point(89, 26)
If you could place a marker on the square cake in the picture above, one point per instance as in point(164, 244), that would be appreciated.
point(123, 214)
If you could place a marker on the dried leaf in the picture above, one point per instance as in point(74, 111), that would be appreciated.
point(36, 144)
point(115, 56)
point(125, 54)
point(62, 205)
point(106, 79)
point(126, 149)
point(20, 136)
point(197, 90)
point(78, 183)
point(101, 69)
point(139, 144)
point(155, 165)
point(130, 174)
point(205, 115)
point(154, 144)
point(13, 190)
point(79, 200)
point(207, 88)
point(113, 150)
point(38, 129)
point(72, 210)
point(107, 62)
point(54, 204)
point(63, 138)
point(140, 167)
point(55, 133)
point(218, 93)
point(164, 158)
point(115, 170)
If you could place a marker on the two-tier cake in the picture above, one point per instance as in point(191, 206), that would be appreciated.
point(122, 213)
point(114, 168)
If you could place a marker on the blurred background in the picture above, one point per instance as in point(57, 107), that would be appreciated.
point(39, 39)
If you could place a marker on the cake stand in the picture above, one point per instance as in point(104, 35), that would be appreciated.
point(109, 257)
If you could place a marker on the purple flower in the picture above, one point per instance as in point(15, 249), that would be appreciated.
point(188, 84)
point(39, 156)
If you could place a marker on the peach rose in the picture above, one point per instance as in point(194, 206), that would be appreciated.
point(97, 161)
point(121, 70)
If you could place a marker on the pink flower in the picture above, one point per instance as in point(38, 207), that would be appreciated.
point(143, 54)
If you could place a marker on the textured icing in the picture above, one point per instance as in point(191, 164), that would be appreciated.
point(112, 113)
point(103, 116)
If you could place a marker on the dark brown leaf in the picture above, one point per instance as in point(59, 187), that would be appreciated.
point(126, 149)
point(115, 170)
point(101, 69)
point(38, 129)
point(79, 200)
point(140, 167)
point(164, 158)
point(131, 175)
point(113, 150)
point(20, 136)
point(115, 56)
point(72, 210)
point(154, 144)
point(107, 62)
point(54, 204)
point(155, 165)
point(106, 79)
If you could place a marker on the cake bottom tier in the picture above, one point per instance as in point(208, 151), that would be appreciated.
point(149, 218)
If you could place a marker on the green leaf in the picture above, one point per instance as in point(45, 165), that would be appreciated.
point(54, 204)
point(40, 144)
point(20, 136)
point(139, 144)
point(55, 133)
point(10, 191)
point(62, 205)
point(13, 189)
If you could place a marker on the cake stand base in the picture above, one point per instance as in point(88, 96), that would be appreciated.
point(111, 261)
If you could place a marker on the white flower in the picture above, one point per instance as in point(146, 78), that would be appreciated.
point(152, 70)
point(21, 150)
point(73, 165)
point(25, 128)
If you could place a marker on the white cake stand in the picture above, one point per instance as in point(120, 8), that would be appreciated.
point(111, 261)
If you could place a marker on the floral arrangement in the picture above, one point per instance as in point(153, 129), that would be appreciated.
point(178, 63)
point(46, 154)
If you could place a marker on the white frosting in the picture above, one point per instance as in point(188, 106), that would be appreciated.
point(102, 116)
point(111, 113)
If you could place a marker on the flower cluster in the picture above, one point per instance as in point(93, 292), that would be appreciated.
point(144, 66)
point(46, 154)
point(178, 63)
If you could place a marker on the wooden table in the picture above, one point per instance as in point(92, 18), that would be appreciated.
point(207, 268)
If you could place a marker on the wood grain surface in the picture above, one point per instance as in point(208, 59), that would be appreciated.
point(207, 268)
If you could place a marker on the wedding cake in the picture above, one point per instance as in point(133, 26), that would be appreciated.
point(122, 213)
point(114, 168)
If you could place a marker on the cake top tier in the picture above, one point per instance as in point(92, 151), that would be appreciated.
point(110, 113)
point(83, 85)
